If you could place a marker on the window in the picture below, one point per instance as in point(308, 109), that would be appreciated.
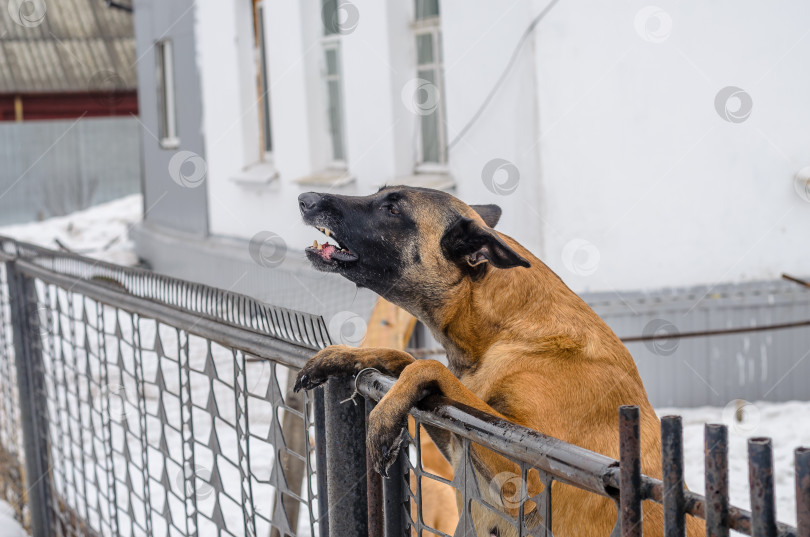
point(332, 77)
point(264, 81)
point(167, 115)
point(430, 68)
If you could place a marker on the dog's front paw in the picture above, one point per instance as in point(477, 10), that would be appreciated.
point(386, 436)
point(333, 361)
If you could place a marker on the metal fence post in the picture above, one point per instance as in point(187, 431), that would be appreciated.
point(395, 500)
point(760, 478)
point(802, 456)
point(630, 471)
point(28, 357)
point(715, 448)
point(347, 499)
point(672, 461)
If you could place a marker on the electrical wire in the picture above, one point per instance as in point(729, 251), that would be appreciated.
point(526, 34)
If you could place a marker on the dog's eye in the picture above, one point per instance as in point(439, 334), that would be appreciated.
point(391, 208)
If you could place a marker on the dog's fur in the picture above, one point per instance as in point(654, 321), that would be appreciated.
point(520, 345)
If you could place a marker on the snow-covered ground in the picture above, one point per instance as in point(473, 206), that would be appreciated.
point(102, 232)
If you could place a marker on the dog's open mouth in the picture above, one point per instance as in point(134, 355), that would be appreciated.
point(331, 252)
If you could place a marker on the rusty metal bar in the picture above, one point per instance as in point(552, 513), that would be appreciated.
point(421, 353)
point(630, 471)
point(715, 447)
point(672, 466)
point(374, 487)
point(718, 332)
point(566, 462)
point(802, 456)
point(760, 479)
point(796, 280)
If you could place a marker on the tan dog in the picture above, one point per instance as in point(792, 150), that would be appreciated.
point(520, 344)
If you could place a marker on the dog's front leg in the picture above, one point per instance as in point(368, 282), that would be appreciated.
point(344, 361)
point(416, 381)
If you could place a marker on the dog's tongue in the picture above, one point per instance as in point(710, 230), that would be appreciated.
point(327, 250)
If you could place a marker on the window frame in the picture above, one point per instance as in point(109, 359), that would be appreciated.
point(431, 26)
point(167, 101)
point(263, 73)
point(331, 42)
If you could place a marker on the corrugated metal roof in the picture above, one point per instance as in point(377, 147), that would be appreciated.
point(65, 45)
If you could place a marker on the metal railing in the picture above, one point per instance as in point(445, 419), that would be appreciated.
point(152, 406)
point(136, 404)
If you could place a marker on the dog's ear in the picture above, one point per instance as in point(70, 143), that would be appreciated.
point(490, 213)
point(466, 241)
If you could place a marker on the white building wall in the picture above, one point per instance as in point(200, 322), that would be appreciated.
point(616, 138)
point(637, 161)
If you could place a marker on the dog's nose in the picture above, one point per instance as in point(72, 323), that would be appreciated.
point(308, 200)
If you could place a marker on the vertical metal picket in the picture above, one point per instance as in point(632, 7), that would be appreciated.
point(395, 500)
point(28, 356)
point(716, 457)
point(672, 461)
point(760, 477)
point(346, 460)
point(630, 471)
point(802, 459)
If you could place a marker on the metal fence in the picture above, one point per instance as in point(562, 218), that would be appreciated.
point(67, 165)
point(136, 404)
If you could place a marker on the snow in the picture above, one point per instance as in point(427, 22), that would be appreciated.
point(100, 232)
point(787, 424)
point(8, 526)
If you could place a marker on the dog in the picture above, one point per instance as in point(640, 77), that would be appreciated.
point(520, 345)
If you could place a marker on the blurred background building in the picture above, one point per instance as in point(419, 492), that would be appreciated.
point(68, 108)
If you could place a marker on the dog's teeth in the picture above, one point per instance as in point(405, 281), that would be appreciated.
point(328, 233)
point(315, 244)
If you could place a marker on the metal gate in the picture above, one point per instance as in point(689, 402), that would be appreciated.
point(135, 404)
